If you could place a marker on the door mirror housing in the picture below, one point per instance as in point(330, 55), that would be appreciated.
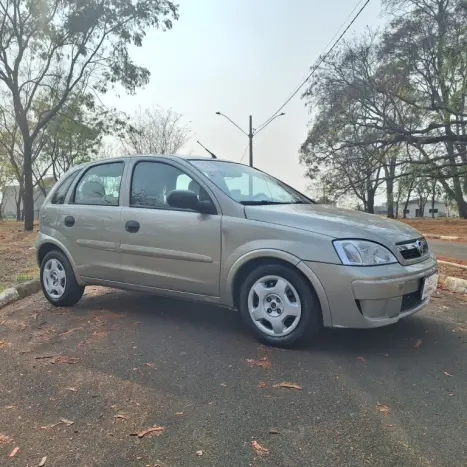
point(187, 199)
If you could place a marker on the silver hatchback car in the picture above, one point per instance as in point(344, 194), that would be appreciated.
point(228, 234)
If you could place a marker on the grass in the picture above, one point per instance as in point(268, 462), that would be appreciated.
point(17, 254)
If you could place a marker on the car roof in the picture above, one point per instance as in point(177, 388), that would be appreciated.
point(165, 156)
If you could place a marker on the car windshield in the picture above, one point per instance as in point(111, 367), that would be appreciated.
point(247, 185)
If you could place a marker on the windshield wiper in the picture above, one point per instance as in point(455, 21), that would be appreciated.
point(262, 202)
point(265, 202)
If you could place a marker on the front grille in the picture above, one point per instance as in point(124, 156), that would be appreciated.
point(413, 249)
point(411, 301)
point(410, 254)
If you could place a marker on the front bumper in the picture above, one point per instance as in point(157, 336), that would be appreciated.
point(367, 297)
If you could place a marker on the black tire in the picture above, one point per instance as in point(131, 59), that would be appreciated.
point(73, 291)
point(310, 322)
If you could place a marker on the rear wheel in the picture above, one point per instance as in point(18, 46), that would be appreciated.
point(58, 280)
point(279, 306)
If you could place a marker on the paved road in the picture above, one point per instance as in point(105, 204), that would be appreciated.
point(451, 249)
point(143, 360)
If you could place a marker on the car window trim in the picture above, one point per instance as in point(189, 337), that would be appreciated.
point(87, 169)
point(161, 208)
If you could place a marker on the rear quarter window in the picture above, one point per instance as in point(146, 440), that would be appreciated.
point(60, 193)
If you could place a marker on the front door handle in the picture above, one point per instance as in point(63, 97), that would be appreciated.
point(132, 226)
point(69, 221)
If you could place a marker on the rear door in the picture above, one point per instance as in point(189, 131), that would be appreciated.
point(88, 225)
point(164, 247)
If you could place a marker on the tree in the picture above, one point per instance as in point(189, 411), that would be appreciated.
point(155, 131)
point(69, 47)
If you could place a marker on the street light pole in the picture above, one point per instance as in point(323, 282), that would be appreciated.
point(250, 136)
point(252, 131)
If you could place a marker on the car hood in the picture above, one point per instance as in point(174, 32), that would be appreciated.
point(334, 222)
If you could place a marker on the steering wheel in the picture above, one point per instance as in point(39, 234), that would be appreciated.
point(260, 197)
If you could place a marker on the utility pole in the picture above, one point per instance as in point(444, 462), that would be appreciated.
point(250, 136)
point(253, 132)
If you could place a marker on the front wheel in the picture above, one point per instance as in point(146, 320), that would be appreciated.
point(58, 280)
point(279, 306)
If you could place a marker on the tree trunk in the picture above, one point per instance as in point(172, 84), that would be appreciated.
point(28, 198)
point(19, 200)
point(390, 197)
point(370, 205)
point(406, 204)
point(433, 197)
point(459, 197)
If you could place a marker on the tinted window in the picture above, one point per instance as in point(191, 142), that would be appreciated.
point(60, 194)
point(100, 185)
point(153, 181)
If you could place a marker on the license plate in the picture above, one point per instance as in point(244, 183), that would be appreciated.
point(429, 285)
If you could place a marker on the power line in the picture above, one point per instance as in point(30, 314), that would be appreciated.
point(244, 153)
point(320, 60)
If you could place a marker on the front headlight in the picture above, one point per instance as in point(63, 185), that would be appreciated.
point(363, 253)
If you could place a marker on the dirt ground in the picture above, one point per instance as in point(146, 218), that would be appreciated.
point(17, 256)
point(443, 226)
point(452, 270)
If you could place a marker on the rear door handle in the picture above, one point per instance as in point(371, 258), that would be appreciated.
point(69, 221)
point(132, 226)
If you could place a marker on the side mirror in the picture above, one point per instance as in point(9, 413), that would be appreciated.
point(186, 199)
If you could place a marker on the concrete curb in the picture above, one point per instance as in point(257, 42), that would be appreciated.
point(439, 237)
point(20, 291)
point(454, 284)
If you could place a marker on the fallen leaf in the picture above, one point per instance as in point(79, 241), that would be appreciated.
point(288, 385)
point(389, 425)
point(261, 450)
point(69, 360)
point(3, 344)
point(99, 333)
point(66, 421)
point(263, 348)
point(264, 363)
point(9, 407)
point(418, 343)
point(179, 413)
point(153, 429)
point(151, 365)
point(362, 359)
point(43, 461)
point(121, 416)
point(262, 384)
point(384, 409)
point(451, 394)
point(13, 453)
point(273, 431)
point(199, 453)
point(72, 389)
point(224, 385)
point(4, 439)
point(446, 373)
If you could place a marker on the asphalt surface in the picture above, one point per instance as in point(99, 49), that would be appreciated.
point(193, 369)
point(455, 250)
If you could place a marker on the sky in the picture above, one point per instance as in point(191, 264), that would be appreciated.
point(242, 57)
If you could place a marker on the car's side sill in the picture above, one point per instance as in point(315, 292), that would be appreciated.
point(153, 290)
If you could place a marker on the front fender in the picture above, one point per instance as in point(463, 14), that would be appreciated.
point(229, 272)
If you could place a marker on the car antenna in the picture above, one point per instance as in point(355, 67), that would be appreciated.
point(207, 150)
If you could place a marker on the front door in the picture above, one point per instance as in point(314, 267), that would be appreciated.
point(164, 247)
point(89, 223)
